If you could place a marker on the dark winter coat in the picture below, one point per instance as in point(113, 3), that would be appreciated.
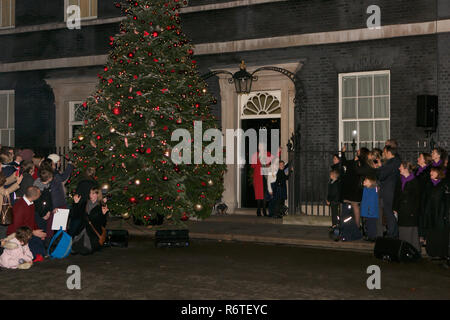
point(352, 181)
point(436, 211)
point(280, 191)
point(27, 181)
point(79, 225)
point(56, 185)
point(388, 175)
point(407, 203)
point(334, 190)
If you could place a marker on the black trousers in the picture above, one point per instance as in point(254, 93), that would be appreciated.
point(261, 204)
point(334, 206)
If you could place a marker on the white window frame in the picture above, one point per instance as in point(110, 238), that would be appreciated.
point(11, 15)
point(357, 120)
point(243, 99)
point(66, 4)
point(13, 129)
point(72, 121)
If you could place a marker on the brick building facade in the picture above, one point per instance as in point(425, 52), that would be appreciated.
point(45, 69)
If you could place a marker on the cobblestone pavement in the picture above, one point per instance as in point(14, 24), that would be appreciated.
point(225, 270)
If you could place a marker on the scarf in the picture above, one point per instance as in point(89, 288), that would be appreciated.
point(90, 205)
point(405, 180)
point(420, 170)
point(437, 164)
point(435, 182)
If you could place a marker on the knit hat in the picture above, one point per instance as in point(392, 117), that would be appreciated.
point(54, 157)
point(26, 154)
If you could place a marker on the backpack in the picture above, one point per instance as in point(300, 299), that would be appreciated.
point(60, 245)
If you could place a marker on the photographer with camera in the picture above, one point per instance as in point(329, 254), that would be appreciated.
point(88, 222)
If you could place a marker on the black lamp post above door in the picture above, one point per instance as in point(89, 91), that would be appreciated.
point(243, 80)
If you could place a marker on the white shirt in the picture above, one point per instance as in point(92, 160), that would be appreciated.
point(29, 203)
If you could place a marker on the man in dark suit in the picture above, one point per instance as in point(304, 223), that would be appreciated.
point(388, 175)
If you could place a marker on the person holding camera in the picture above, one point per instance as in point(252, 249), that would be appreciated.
point(88, 222)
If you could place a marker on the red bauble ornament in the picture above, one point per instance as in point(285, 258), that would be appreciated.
point(116, 111)
point(133, 200)
point(148, 150)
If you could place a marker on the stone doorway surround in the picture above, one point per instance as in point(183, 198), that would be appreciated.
point(66, 90)
point(267, 81)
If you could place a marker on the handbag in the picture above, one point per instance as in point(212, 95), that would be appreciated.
point(6, 215)
point(101, 237)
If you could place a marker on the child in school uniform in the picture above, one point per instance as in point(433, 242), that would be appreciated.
point(369, 207)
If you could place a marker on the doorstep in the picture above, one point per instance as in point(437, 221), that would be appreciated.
point(251, 229)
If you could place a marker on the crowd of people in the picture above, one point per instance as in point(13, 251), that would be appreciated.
point(392, 197)
point(32, 189)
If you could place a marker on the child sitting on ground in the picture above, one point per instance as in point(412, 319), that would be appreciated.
point(334, 196)
point(16, 253)
point(369, 207)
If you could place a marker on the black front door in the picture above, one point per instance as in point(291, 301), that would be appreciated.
point(247, 191)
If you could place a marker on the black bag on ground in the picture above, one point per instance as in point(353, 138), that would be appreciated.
point(438, 242)
point(117, 238)
point(395, 250)
point(348, 231)
point(172, 238)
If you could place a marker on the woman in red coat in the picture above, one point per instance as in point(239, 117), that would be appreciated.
point(260, 160)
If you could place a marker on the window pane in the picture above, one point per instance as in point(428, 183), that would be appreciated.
point(365, 108)
point(13, 12)
point(84, 8)
point(4, 140)
point(381, 84)
point(381, 105)
point(349, 108)
point(73, 2)
point(93, 8)
point(365, 86)
point(12, 141)
point(6, 13)
point(75, 130)
point(11, 112)
point(349, 86)
point(79, 112)
point(381, 130)
point(366, 131)
point(367, 144)
point(349, 126)
point(3, 112)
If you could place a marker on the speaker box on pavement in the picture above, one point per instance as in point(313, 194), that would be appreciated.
point(395, 250)
point(172, 238)
point(427, 111)
point(117, 238)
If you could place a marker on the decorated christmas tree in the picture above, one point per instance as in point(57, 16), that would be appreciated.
point(149, 88)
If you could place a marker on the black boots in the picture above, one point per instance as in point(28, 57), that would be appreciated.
point(261, 203)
